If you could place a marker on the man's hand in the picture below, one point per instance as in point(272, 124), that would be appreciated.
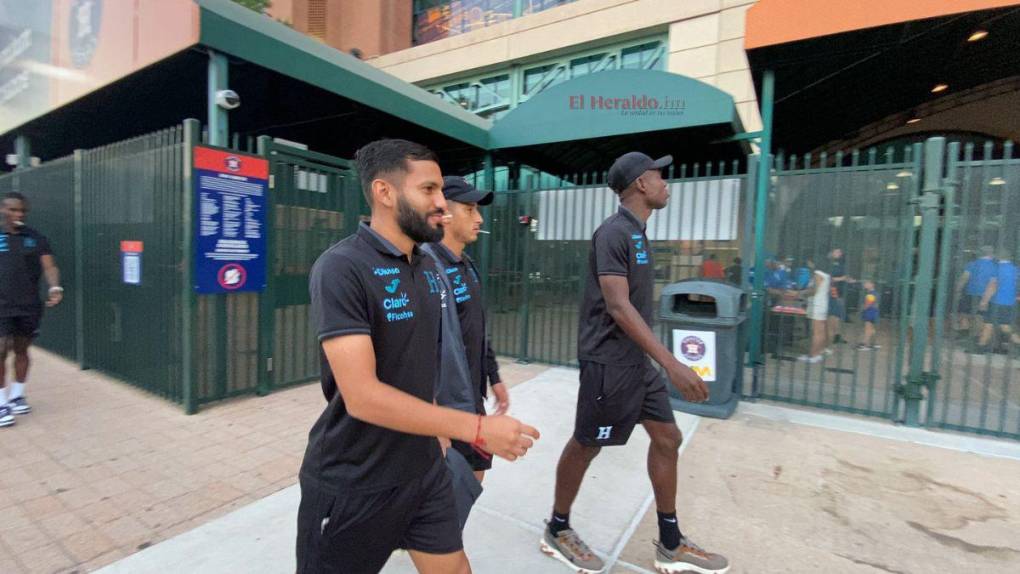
point(687, 382)
point(505, 437)
point(55, 297)
point(502, 399)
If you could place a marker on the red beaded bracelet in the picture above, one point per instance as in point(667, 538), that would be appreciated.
point(479, 442)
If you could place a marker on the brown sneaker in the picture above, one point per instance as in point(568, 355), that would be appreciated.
point(688, 557)
point(568, 548)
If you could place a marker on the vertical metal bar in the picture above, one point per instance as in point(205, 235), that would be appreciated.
point(525, 309)
point(761, 212)
point(929, 205)
point(267, 299)
point(79, 246)
point(485, 242)
point(192, 129)
point(23, 151)
point(949, 223)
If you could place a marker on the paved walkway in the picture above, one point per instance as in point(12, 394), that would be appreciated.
point(779, 490)
point(101, 470)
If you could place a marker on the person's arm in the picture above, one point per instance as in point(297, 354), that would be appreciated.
point(352, 360)
point(961, 283)
point(56, 292)
point(616, 292)
point(990, 290)
point(492, 375)
point(811, 288)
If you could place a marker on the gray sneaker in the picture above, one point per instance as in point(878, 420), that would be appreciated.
point(6, 416)
point(688, 557)
point(568, 548)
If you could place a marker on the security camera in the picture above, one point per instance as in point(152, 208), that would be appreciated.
point(228, 99)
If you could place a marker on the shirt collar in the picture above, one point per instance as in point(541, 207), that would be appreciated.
point(633, 218)
point(380, 243)
point(445, 253)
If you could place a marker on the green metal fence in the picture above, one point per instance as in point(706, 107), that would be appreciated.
point(977, 389)
point(858, 203)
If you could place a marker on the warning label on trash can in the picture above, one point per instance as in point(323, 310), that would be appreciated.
point(696, 349)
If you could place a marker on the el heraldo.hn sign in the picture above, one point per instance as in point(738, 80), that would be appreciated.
point(628, 104)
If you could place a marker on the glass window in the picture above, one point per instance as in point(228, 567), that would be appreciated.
point(643, 57)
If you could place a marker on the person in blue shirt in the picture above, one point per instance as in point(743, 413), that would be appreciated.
point(999, 303)
point(970, 287)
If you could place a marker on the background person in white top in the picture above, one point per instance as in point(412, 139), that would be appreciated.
point(817, 295)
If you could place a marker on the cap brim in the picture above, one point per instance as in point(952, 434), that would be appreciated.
point(664, 161)
point(474, 196)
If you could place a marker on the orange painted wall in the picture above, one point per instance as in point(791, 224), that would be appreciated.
point(771, 22)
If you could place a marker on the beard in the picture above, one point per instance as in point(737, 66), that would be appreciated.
point(416, 225)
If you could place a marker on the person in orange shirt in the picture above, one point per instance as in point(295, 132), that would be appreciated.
point(712, 269)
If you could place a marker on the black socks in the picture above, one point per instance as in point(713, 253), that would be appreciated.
point(559, 522)
point(669, 530)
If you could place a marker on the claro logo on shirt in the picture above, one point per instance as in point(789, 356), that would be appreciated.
point(640, 250)
point(393, 306)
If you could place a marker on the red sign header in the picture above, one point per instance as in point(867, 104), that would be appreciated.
point(231, 163)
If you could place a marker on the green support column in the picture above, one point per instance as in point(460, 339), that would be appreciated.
point(929, 204)
point(218, 122)
point(23, 149)
point(485, 240)
point(219, 128)
point(79, 260)
point(192, 136)
point(760, 218)
point(949, 225)
point(267, 302)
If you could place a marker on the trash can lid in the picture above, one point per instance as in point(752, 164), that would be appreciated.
point(729, 299)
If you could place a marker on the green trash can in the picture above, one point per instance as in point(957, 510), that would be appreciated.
point(703, 320)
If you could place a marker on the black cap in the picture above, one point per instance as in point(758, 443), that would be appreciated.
point(630, 166)
point(456, 188)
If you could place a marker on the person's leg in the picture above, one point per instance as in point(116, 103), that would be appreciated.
point(574, 462)
point(453, 563)
point(480, 475)
point(21, 360)
point(819, 337)
point(869, 333)
point(662, 457)
point(986, 335)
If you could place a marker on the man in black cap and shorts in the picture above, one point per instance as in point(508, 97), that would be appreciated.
point(619, 386)
point(470, 368)
point(373, 479)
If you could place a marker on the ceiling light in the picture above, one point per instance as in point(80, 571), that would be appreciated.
point(977, 35)
point(997, 181)
point(891, 186)
point(913, 121)
point(905, 173)
point(939, 88)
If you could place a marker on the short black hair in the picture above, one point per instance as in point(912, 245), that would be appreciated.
point(15, 195)
point(387, 156)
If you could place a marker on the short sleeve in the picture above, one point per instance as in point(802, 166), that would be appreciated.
point(339, 302)
point(612, 252)
point(44, 245)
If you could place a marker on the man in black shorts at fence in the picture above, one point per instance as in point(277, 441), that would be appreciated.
point(475, 357)
point(373, 479)
point(619, 386)
point(24, 257)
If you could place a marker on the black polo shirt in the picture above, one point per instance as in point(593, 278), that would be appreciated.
point(20, 270)
point(467, 294)
point(618, 247)
point(364, 284)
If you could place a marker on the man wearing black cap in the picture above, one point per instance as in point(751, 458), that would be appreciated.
point(471, 352)
point(373, 479)
point(619, 386)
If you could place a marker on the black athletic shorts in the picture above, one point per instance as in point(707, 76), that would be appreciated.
point(612, 400)
point(476, 460)
point(968, 304)
point(345, 532)
point(1004, 315)
point(24, 326)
